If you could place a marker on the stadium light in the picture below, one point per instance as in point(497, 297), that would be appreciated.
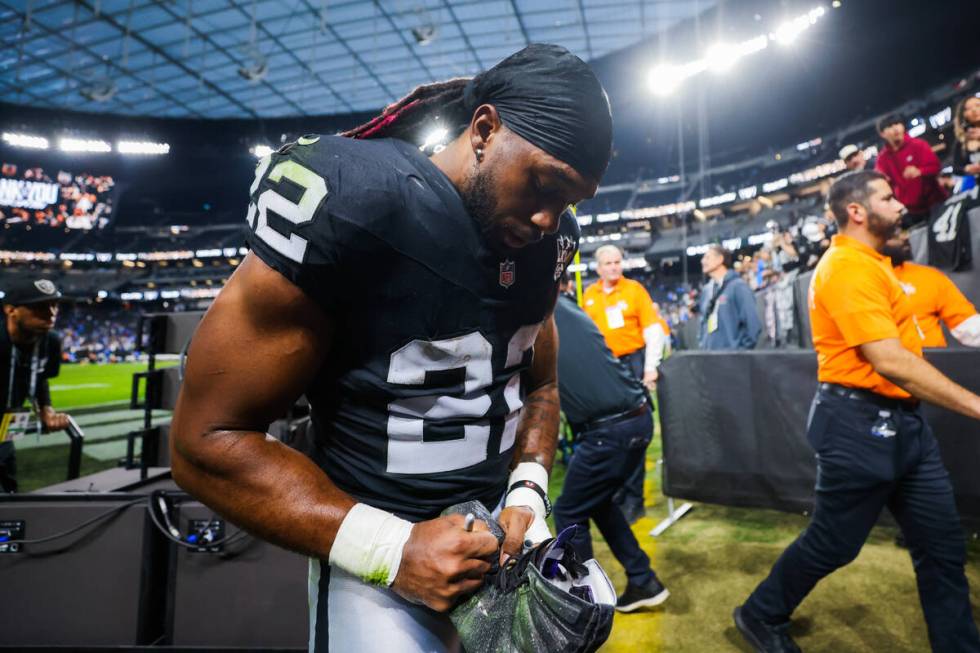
point(435, 138)
point(752, 46)
point(261, 151)
point(83, 145)
point(665, 78)
point(791, 29)
point(720, 58)
point(788, 31)
point(142, 147)
point(25, 140)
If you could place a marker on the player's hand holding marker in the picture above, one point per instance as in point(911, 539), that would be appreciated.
point(443, 560)
point(433, 562)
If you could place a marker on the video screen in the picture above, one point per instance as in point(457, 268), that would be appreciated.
point(60, 199)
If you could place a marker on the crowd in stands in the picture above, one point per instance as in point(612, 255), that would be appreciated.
point(917, 176)
point(797, 233)
point(101, 335)
point(73, 201)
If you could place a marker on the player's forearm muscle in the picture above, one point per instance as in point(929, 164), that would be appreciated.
point(266, 488)
point(255, 352)
point(537, 433)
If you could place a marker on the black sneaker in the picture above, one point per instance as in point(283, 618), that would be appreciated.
point(646, 596)
point(764, 638)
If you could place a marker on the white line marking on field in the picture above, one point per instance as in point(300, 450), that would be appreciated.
point(79, 386)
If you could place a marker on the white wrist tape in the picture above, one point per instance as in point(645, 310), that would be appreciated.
point(369, 544)
point(538, 530)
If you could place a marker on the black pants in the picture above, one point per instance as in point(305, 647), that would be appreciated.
point(604, 458)
point(8, 467)
point(630, 497)
point(858, 474)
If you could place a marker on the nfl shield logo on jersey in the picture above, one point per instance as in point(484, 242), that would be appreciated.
point(508, 272)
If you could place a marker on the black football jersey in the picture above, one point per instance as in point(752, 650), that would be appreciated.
point(950, 246)
point(416, 408)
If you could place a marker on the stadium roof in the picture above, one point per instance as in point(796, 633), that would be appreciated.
point(270, 58)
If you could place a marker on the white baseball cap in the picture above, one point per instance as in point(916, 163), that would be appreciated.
point(848, 151)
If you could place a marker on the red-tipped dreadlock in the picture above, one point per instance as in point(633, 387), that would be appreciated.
point(409, 116)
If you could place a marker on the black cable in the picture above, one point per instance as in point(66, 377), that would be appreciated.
point(58, 536)
point(228, 539)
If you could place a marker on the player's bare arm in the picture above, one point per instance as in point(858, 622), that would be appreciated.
point(919, 378)
point(537, 438)
point(537, 433)
point(257, 349)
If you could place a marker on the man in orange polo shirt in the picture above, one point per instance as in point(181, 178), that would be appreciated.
point(636, 335)
point(935, 298)
point(874, 448)
point(626, 316)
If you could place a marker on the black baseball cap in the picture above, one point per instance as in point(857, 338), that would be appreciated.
point(888, 120)
point(30, 291)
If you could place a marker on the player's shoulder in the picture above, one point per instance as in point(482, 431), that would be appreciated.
point(363, 177)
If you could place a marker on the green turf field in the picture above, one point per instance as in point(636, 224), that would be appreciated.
point(83, 384)
point(97, 396)
point(713, 558)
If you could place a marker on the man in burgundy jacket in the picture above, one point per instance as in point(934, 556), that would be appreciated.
point(912, 168)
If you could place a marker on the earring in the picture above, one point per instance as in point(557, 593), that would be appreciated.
point(479, 154)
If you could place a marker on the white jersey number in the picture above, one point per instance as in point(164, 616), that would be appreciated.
point(315, 189)
point(408, 453)
point(946, 224)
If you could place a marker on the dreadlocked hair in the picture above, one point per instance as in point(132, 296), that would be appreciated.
point(407, 117)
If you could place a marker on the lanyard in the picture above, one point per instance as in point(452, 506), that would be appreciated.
point(32, 386)
point(716, 296)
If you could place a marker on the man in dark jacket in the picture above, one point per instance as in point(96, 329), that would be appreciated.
point(728, 315)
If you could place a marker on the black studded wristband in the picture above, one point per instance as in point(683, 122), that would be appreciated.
point(531, 485)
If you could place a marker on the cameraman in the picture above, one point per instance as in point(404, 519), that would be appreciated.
point(30, 354)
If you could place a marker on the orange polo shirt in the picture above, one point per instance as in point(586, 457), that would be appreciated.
point(622, 314)
point(934, 298)
point(855, 298)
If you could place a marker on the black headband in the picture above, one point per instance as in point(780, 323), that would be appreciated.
point(552, 99)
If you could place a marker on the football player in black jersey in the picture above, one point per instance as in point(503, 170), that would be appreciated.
point(410, 299)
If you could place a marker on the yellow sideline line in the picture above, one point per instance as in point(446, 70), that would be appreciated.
point(642, 630)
